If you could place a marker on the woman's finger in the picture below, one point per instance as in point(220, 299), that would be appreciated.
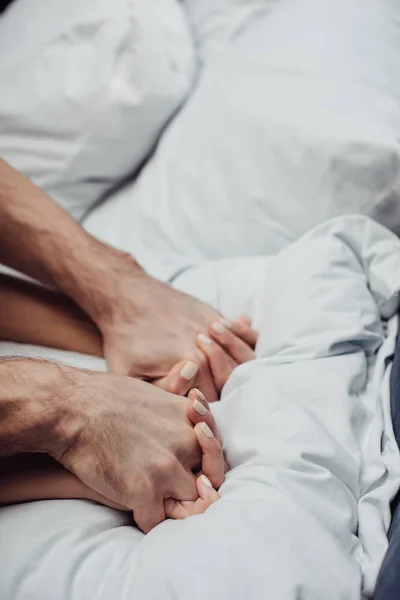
point(198, 411)
point(174, 509)
point(221, 363)
point(205, 378)
point(239, 350)
point(245, 319)
point(206, 492)
point(180, 379)
point(242, 330)
point(212, 458)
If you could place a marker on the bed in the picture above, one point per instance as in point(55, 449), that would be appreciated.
point(291, 119)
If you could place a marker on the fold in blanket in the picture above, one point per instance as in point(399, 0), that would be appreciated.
point(307, 431)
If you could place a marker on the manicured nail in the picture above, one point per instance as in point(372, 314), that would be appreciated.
point(199, 408)
point(189, 370)
point(218, 328)
point(204, 338)
point(207, 431)
point(206, 481)
point(227, 324)
point(200, 394)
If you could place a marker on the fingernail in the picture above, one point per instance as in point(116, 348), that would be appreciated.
point(227, 324)
point(218, 328)
point(200, 394)
point(199, 408)
point(207, 431)
point(204, 338)
point(189, 370)
point(206, 481)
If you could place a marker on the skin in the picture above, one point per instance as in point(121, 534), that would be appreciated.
point(58, 408)
point(32, 314)
point(146, 326)
point(39, 477)
point(102, 427)
point(35, 315)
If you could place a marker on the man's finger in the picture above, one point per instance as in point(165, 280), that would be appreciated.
point(213, 458)
point(149, 515)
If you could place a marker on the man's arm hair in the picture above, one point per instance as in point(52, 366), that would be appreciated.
point(40, 239)
point(35, 415)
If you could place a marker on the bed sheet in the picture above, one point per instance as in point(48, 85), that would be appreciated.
point(307, 431)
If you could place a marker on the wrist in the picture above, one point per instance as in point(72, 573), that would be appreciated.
point(100, 293)
point(35, 415)
point(114, 293)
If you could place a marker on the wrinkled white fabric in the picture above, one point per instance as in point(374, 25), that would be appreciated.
point(86, 88)
point(306, 429)
point(294, 121)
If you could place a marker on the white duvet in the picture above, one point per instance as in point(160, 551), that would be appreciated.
point(307, 432)
point(295, 120)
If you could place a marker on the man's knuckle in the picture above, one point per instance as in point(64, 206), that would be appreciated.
point(165, 465)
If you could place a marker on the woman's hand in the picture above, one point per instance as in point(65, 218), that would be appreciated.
point(213, 468)
point(227, 345)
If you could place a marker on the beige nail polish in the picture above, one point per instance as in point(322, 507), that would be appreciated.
point(207, 431)
point(199, 408)
point(227, 324)
point(218, 327)
point(206, 481)
point(189, 370)
point(204, 338)
point(200, 394)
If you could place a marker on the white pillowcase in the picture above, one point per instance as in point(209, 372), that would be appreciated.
point(295, 122)
point(216, 22)
point(86, 87)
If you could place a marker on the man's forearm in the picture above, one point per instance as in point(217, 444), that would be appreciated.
point(34, 411)
point(39, 238)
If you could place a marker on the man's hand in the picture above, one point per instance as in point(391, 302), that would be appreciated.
point(151, 327)
point(148, 328)
point(208, 480)
point(134, 444)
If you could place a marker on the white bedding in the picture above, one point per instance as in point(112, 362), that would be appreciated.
point(295, 120)
point(86, 89)
point(306, 429)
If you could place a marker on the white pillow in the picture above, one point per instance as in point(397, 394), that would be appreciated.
point(216, 22)
point(86, 87)
point(295, 122)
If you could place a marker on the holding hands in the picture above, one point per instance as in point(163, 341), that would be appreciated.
point(158, 334)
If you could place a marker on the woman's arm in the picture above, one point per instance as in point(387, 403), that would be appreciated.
point(27, 477)
point(137, 315)
point(32, 314)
